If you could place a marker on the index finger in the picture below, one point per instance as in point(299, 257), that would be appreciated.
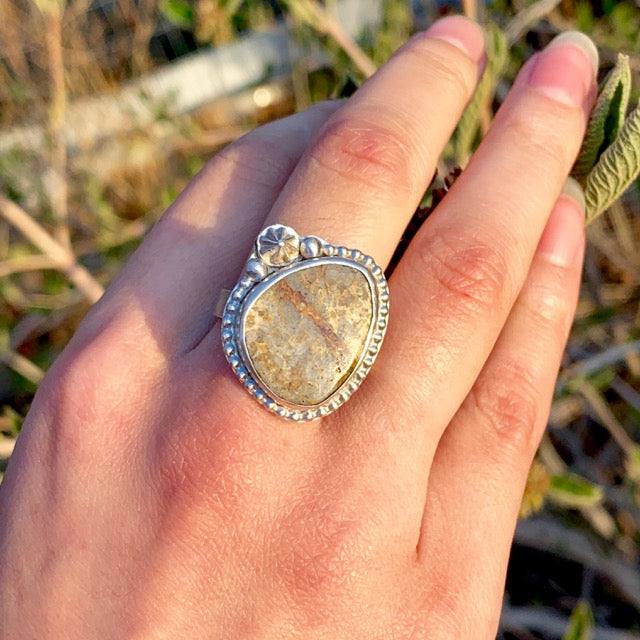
point(361, 179)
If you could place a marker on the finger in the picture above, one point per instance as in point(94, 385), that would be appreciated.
point(167, 292)
point(481, 463)
point(461, 274)
point(361, 179)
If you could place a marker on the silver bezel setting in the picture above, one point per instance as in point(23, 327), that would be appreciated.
point(260, 274)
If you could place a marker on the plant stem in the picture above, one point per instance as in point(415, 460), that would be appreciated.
point(606, 416)
point(58, 190)
point(322, 20)
point(61, 256)
point(22, 365)
point(470, 9)
point(528, 17)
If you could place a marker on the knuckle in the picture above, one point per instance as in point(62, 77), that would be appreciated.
point(319, 549)
point(474, 277)
point(541, 138)
point(549, 307)
point(186, 476)
point(456, 78)
point(81, 379)
point(87, 399)
point(209, 457)
point(99, 386)
point(363, 152)
point(445, 610)
point(512, 409)
point(244, 160)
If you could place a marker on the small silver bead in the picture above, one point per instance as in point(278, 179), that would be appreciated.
point(310, 247)
point(256, 268)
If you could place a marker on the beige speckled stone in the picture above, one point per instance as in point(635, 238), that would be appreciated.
point(306, 333)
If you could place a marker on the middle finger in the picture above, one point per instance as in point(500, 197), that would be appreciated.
point(359, 182)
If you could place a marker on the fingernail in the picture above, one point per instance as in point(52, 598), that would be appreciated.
point(566, 70)
point(573, 190)
point(563, 237)
point(462, 33)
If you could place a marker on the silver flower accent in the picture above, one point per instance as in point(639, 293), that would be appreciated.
point(278, 245)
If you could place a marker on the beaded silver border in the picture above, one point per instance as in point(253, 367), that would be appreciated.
point(261, 271)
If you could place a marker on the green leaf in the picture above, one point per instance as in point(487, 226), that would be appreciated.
point(497, 50)
point(178, 12)
point(584, 16)
point(606, 118)
point(616, 169)
point(574, 492)
point(580, 625)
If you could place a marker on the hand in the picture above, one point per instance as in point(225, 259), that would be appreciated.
point(150, 497)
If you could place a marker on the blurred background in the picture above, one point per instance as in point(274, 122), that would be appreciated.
point(109, 107)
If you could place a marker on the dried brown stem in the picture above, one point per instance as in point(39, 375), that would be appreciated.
point(606, 416)
point(317, 16)
point(20, 264)
point(6, 447)
point(63, 258)
point(58, 189)
point(527, 18)
point(470, 9)
point(22, 365)
point(599, 518)
point(553, 536)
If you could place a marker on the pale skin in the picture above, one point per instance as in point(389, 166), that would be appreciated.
point(149, 495)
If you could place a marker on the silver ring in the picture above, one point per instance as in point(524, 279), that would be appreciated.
point(304, 323)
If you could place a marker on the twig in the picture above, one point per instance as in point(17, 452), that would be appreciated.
point(624, 233)
point(22, 365)
point(606, 416)
point(470, 9)
point(334, 29)
point(610, 246)
point(131, 231)
point(594, 364)
point(16, 297)
point(527, 18)
point(19, 264)
point(6, 446)
point(58, 188)
point(33, 325)
point(550, 535)
point(597, 516)
point(622, 335)
point(317, 16)
point(626, 392)
point(553, 624)
point(550, 457)
point(63, 258)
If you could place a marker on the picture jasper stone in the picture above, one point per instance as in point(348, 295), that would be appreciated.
point(306, 333)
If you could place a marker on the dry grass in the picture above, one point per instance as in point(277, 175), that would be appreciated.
point(65, 230)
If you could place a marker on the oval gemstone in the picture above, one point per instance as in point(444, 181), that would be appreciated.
point(306, 333)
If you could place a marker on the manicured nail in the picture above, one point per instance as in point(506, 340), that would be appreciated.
point(582, 41)
point(566, 70)
point(462, 33)
point(573, 190)
point(562, 240)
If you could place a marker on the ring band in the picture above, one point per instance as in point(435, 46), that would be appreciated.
point(304, 323)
